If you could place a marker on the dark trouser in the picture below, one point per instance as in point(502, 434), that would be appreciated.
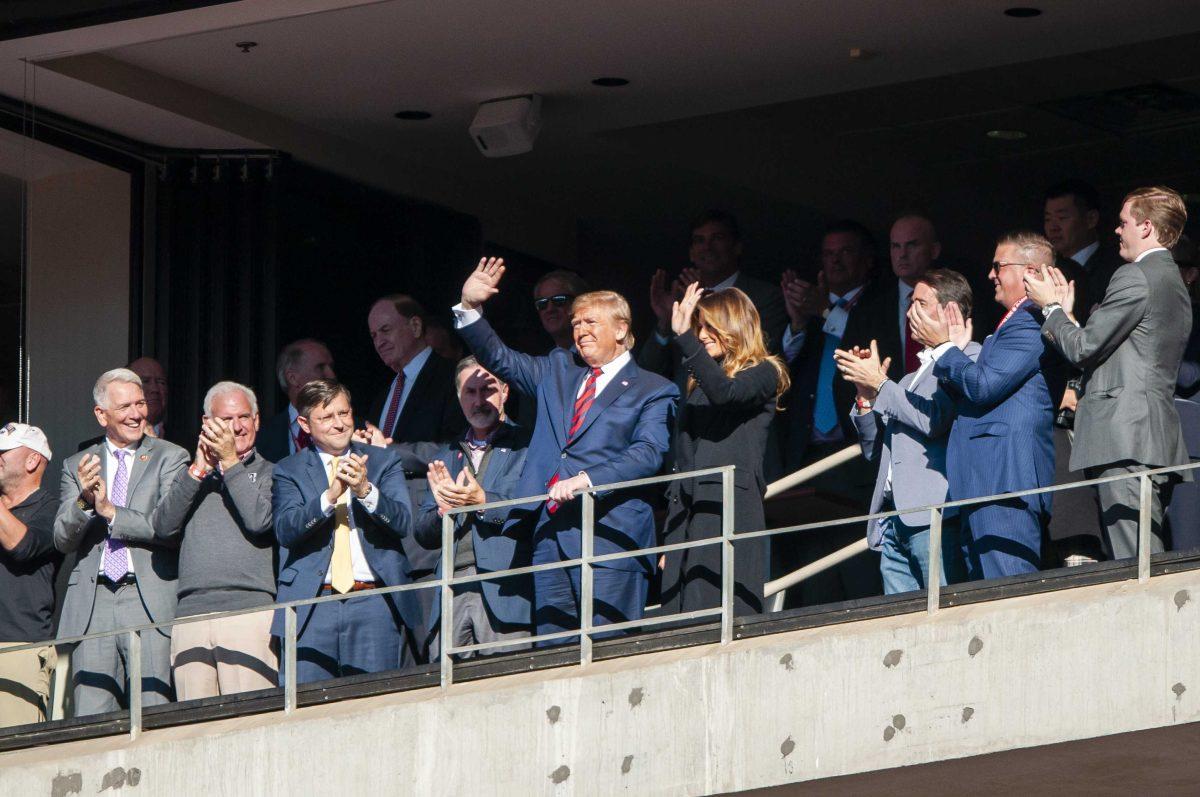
point(1074, 528)
point(618, 595)
point(1001, 539)
point(474, 624)
point(101, 666)
point(350, 637)
point(1119, 508)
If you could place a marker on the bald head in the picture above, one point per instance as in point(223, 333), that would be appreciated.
point(914, 247)
point(154, 386)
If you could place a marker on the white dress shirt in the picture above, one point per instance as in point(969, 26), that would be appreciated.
point(1085, 254)
point(110, 470)
point(358, 561)
point(928, 357)
point(835, 324)
point(410, 372)
point(1142, 256)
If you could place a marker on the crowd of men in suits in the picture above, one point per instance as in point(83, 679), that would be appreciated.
point(322, 500)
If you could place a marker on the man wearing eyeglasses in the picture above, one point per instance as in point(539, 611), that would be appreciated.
point(1002, 440)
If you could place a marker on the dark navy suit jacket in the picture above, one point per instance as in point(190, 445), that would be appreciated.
point(508, 599)
point(307, 532)
point(625, 436)
point(1003, 436)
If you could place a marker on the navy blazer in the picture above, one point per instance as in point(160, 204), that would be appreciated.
point(1003, 436)
point(508, 599)
point(625, 436)
point(307, 532)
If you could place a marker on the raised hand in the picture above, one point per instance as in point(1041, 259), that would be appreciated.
point(438, 477)
point(482, 284)
point(1064, 291)
point(660, 299)
point(959, 330)
point(372, 436)
point(1040, 287)
point(104, 507)
point(931, 331)
point(802, 300)
point(683, 310)
point(353, 471)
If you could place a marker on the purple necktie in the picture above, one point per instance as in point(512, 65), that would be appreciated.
point(116, 556)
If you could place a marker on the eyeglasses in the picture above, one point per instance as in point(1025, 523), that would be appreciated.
point(558, 300)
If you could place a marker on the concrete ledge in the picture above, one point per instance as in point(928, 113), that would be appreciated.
point(798, 706)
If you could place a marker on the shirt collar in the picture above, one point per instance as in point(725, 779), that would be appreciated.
point(416, 364)
point(36, 497)
point(112, 450)
point(611, 368)
point(848, 296)
point(293, 414)
point(726, 283)
point(1085, 254)
point(905, 290)
point(1142, 256)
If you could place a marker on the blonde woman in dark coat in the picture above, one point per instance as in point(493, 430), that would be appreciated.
point(733, 391)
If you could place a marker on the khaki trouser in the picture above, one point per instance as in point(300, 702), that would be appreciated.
point(25, 684)
point(222, 657)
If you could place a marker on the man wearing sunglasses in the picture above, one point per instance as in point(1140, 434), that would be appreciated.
point(552, 297)
point(1003, 438)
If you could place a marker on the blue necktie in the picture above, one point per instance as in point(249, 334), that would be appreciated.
point(825, 415)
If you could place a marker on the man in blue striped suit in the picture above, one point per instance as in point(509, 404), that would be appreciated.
point(1002, 439)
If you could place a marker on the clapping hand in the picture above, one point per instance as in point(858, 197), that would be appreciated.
point(683, 310)
point(928, 330)
point(482, 284)
point(449, 492)
point(863, 368)
point(372, 436)
point(661, 299)
point(1040, 287)
point(88, 474)
point(960, 330)
point(802, 299)
point(353, 471)
point(218, 437)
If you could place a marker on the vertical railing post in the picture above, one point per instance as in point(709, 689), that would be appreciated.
point(585, 579)
point(446, 631)
point(933, 586)
point(135, 685)
point(727, 573)
point(1145, 504)
point(289, 659)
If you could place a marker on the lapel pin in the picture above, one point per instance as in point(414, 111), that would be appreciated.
point(144, 457)
point(624, 383)
point(252, 477)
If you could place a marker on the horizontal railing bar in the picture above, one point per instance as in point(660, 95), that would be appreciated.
point(498, 574)
point(599, 488)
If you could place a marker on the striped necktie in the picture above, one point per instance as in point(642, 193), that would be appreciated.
point(582, 405)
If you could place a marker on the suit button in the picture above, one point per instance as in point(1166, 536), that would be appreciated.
point(564, 456)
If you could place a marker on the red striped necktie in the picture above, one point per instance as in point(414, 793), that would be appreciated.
point(582, 405)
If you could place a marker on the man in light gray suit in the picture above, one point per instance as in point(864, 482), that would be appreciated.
point(126, 568)
point(1129, 352)
point(903, 426)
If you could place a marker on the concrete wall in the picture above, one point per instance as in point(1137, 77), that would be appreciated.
point(784, 708)
point(78, 300)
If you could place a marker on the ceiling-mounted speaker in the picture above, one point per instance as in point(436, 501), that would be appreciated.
point(507, 127)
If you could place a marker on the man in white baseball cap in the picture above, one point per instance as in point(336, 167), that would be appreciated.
point(28, 566)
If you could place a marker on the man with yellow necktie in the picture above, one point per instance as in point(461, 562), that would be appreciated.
point(341, 509)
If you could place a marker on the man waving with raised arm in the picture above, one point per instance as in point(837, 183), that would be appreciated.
point(600, 420)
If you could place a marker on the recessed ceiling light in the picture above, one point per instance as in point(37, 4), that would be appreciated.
point(1022, 12)
point(1007, 135)
point(413, 116)
point(610, 82)
point(245, 46)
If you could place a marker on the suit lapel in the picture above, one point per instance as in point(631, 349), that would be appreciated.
point(316, 472)
point(141, 458)
point(619, 384)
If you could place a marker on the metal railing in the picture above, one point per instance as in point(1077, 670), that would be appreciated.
point(587, 561)
point(447, 581)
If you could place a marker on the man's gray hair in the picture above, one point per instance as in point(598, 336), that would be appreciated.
point(1035, 249)
point(100, 391)
point(221, 388)
point(290, 358)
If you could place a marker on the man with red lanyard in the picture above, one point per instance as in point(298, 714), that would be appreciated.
point(1002, 440)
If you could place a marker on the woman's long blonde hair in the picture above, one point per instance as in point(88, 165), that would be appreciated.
point(732, 318)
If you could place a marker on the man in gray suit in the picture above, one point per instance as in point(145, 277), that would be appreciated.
point(903, 426)
point(1129, 352)
point(126, 569)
